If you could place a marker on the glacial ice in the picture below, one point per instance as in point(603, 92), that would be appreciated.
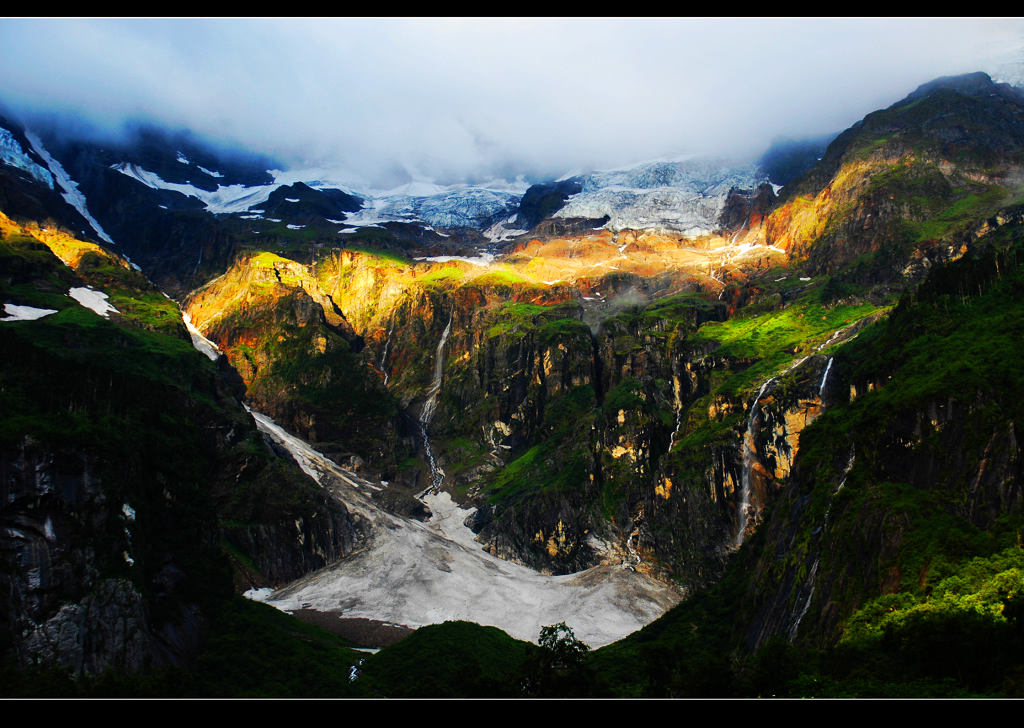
point(416, 573)
point(685, 194)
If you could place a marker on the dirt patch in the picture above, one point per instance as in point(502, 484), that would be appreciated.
point(360, 631)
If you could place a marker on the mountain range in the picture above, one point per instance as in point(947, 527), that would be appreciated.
point(744, 428)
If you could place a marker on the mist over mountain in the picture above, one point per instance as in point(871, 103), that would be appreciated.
point(458, 99)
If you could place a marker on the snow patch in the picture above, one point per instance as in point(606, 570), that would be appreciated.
point(200, 342)
point(183, 159)
point(128, 511)
point(293, 227)
point(482, 259)
point(209, 171)
point(25, 313)
point(11, 153)
point(93, 300)
point(291, 199)
point(72, 195)
point(261, 594)
point(225, 199)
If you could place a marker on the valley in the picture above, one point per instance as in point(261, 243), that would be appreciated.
point(742, 433)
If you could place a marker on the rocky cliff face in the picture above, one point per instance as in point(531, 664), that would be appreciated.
point(579, 421)
point(126, 466)
point(916, 468)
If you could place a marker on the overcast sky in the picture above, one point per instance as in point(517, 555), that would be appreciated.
point(455, 97)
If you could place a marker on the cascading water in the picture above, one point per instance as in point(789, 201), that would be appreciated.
point(427, 413)
point(824, 377)
point(749, 456)
point(813, 573)
point(679, 411)
point(795, 623)
point(384, 356)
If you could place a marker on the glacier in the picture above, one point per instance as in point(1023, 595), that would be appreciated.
point(685, 194)
point(416, 573)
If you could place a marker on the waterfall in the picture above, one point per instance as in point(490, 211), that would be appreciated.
point(631, 549)
point(809, 584)
point(846, 471)
point(387, 343)
point(824, 377)
point(427, 413)
point(198, 261)
point(631, 540)
point(812, 575)
point(749, 456)
point(679, 411)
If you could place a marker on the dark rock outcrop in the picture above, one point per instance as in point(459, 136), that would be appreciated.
point(544, 200)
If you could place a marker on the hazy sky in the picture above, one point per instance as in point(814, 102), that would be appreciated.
point(469, 96)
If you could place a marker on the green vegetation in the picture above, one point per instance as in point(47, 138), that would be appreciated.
point(454, 659)
point(503, 277)
point(561, 461)
point(514, 320)
point(444, 276)
point(558, 669)
point(775, 339)
point(960, 216)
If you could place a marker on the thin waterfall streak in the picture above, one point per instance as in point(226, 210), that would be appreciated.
point(427, 413)
point(679, 412)
point(749, 455)
point(387, 343)
point(807, 602)
point(824, 377)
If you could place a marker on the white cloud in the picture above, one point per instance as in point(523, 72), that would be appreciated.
point(460, 96)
